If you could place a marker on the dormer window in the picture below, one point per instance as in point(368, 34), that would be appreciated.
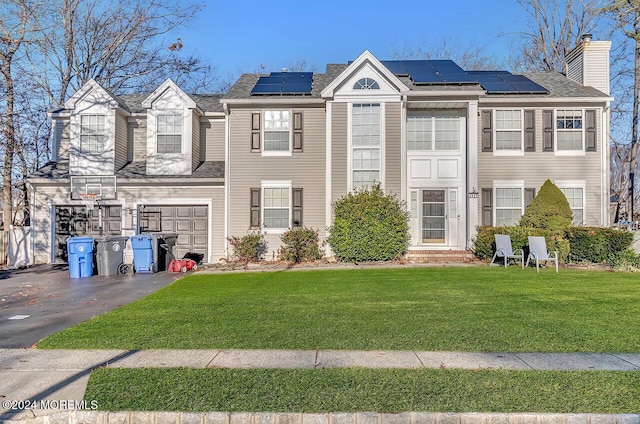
point(92, 133)
point(366, 84)
point(169, 133)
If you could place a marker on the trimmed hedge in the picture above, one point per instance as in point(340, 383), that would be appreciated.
point(577, 244)
point(485, 243)
point(597, 245)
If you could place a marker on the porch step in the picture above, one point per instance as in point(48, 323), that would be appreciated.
point(440, 256)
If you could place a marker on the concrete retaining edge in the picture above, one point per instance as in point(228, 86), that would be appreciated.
point(135, 417)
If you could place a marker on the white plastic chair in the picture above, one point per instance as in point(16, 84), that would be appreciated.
point(539, 253)
point(505, 251)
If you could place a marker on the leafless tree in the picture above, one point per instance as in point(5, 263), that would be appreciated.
point(625, 15)
point(471, 58)
point(555, 27)
point(14, 29)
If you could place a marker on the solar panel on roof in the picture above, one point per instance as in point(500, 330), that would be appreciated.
point(396, 67)
point(498, 87)
point(284, 83)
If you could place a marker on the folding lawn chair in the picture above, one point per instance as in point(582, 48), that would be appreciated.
point(505, 251)
point(539, 253)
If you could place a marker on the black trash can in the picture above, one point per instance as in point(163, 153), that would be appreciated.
point(108, 253)
point(162, 244)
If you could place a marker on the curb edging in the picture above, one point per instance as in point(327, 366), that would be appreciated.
point(141, 417)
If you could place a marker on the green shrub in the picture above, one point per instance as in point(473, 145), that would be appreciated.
point(548, 210)
point(485, 244)
point(248, 248)
point(597, 245)
point(300, 245)
point(626, 260)
point(369, 226)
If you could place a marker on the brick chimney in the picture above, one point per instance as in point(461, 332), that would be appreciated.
point(588, 63)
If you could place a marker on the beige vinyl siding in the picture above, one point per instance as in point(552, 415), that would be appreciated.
point(218, 241)
point(597, 69)
point(195, 140)
point(339, 145)
point(138, 137)
point(575, 69)
point(534, 168)
point(213, 138)
point(121, 142)
point(248, 170)
point(63, 141)
point(393, 152)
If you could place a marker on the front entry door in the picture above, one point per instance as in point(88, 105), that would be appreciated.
point(433, 217)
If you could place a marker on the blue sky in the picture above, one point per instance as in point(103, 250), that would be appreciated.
point(241, 36)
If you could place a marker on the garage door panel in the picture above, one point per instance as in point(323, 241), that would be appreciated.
point(168, 226)
point(199, 240)
point(199, 225)
point(183, 226)
point(184, 212)
point(167, 211)
point(200, 212)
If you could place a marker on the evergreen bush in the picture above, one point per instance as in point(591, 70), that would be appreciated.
point(549, 210)
point(369, 226)
point(300, 245)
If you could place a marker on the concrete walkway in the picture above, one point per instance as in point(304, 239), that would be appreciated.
point(62, 375)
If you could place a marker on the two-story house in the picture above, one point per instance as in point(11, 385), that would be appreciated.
point(461, 148)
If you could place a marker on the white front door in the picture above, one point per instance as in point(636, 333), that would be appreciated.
point(438, 217)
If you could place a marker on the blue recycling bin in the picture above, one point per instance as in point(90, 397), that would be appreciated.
point(142, 246)
point(80, 253)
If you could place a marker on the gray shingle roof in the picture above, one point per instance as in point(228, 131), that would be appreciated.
point(561, 86)
point(206, 102)
point(133, 170)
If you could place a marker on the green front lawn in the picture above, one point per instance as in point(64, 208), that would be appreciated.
point(348, 390)
point(460, 309)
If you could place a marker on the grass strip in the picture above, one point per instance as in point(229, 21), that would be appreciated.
point(455, 309)
point(358, 389)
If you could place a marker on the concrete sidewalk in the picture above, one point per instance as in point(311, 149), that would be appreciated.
point(56, 375)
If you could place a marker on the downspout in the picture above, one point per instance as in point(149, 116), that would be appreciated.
point(227, 182)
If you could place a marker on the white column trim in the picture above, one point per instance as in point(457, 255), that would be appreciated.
point(472, 211)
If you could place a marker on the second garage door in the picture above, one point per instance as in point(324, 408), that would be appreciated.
point(190, 222)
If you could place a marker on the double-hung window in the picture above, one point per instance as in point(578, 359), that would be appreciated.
point(508, 130)
point(365, 145)
point(169, 133)
point(575, 196)
point(92, 133)
point(509, 205)
point(276, 208)
point(277, 125)
point(433, 131)
point(569, 130)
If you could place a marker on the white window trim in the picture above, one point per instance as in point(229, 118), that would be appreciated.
point(506, 184)
point(263, 117)
point(350, 144)
point(576, 184)
point(105, 135)
point(275, 184)
point(557, 152)
point(433, 114)
point(496, 151)
point(175, 113)
point(186, 131)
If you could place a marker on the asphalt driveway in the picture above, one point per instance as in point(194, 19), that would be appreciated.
point(42, 300)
